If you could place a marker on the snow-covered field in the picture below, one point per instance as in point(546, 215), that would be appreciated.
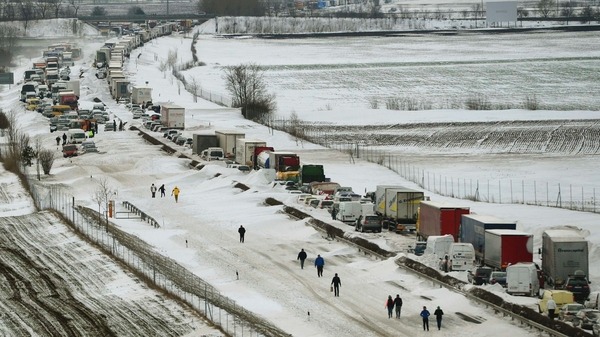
point(210, 209)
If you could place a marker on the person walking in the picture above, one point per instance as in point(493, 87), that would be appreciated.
point(242, 232)
point(57, 140)
point(389, 304)
point(153, 190)
point(398, 305)
point(319, 263)
point(438, 313)
point(425, 314)
point(551, 305)
point(64, 138)
point(301, 257)
point(336, 283)
point(114, 125)
point(162, 190)
point(175, 193)
point(333, 214)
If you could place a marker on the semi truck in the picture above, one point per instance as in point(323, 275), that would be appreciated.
point(564, 251)
point(286, 165)
point(102, 57)
point(473, 227)
point(141, 94)
point(398, 207)
point(172, 115)
point(506, 247)
point(439, 219)
point(245, 150)
point(202, 141)
point(309, 173)
point(228, 141)
point(68, 98)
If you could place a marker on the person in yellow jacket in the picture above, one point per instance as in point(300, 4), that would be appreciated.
point(175, 193)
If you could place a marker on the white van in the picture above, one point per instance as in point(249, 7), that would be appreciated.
point(461, 256)
point(522, 279)
point(439, 245)
point(349, 211)
point(76, 136)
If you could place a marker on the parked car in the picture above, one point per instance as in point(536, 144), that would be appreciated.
point(479, 275)
point(368, 223)
point(578, 284)
point(325, 204)
point(109, 127)
point(585, 318)
point(88, 146)
point(180, 140)
point(568, 311)
point(314, 203)
point(498, 277)
point(592, 301)
point(69, 150)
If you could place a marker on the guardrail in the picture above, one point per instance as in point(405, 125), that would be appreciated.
point(142, 215)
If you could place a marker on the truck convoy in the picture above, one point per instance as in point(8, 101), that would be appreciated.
point(473, 227)
point(439, 219)
point(506, 247)
point(564, 251)
point(397, 206)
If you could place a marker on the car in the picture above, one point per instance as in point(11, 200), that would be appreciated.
point(498, 277)
point(325, 204)
point(109, 127)
point(560, 297)
point(180, 140)
point(190, 142)
point(314, 203)
point(368, 222)
point(419, 248)
point(88, 146)
point(578, 284)
point(585, 318)
point(69, 150)
point(479, 275)
point(568, 311)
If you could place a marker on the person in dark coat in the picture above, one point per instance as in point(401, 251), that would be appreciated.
point(398, 305)
point(438, 313)
point(114, 125)
point(319, 263)
point(57, 140)
point(242, 232)
point(333, 213)
point(120, 125)
point(336, 283)
point(389, 304)
point(64, 138)
point(153, 190)
point(425, 315)
point(301, 257)
point(162, 190)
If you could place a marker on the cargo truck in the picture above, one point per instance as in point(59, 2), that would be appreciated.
point(401, 208)
point(286, 165)
point(505, 247)
point(68, 98)
point(473, 227)
point(564, 251)
point(102, 57)
point(439, 219)
point(310, 173)
point(141, 94)
point(73, 85)
point(172, 116)
point(245, 149)
point(257, 152)
point(202, 141)
point(121, 89)
point(227, 141)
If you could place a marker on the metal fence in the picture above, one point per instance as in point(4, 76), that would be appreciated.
point(161, 271)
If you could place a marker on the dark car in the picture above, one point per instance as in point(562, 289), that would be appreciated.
point(479, 275)
point(498, 277)
point(579, 286)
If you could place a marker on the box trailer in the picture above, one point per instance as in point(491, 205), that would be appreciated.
point(402, 208)
point(245, 150)
point(380, 201)
point(439, 219)
point(121, 89)
point(473, 227)
point(563, 252)
point(202, 141)
point(141, 94)
point(310, 173)
point(505, 247)
point(172, 115)
point(227, 141)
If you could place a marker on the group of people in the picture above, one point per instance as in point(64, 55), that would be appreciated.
point(336, 282)
point(392, 303)
point(161, 189)
point(438, 313)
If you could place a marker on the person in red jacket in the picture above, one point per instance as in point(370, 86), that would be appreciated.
point(389, 304)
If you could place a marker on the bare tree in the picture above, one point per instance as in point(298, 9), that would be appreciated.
point(296, 127)
point(162, 66)
point(55, 5)
point(102, 197)
point(46, 158)
point(194, 88)
point(172, 59)
point(246, 85)
point(76, 4)
point(545, 7)
point(27, 12)
point(44, 8)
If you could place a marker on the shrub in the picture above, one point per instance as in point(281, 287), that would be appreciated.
point(46, 158)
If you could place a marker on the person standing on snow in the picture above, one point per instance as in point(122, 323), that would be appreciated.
point(301, 257)
point(319, 263)
point(438, 313)
point(398, 305)
point(57, 140)
point(242, 232)
point(336, 283)
point(175, 193)
point(153, 190)
point(551, 305)
point(162, 190)
point(389, 304)
point(425, 314)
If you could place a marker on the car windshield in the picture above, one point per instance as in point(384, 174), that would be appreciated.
point(578, 282)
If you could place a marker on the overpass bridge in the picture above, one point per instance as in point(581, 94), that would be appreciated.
point(201, 18)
